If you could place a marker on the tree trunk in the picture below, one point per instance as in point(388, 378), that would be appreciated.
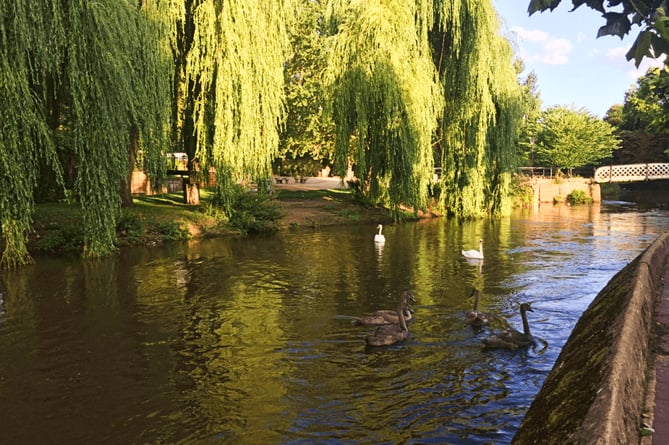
point(191, 190)
point(126, 184)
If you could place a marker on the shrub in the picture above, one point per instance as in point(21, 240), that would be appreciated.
point(254, 213)
point(522, 193)
point(130, 227)
point(173, 231)
point(578, 196)
point(67, 239)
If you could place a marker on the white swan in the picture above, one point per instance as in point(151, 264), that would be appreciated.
point(474, 254)
point(379, 238)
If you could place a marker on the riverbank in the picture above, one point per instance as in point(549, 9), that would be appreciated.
point(157, 219)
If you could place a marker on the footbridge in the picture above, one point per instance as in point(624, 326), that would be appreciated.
point(632, 172)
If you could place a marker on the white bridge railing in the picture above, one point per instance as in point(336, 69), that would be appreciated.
point(632, 172)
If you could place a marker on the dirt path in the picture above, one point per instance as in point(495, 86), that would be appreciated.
point(330, 209)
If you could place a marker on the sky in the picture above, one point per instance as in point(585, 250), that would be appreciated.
point(574, 68)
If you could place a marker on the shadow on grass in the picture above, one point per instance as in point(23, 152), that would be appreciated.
point(313, 194)
point(169, 199)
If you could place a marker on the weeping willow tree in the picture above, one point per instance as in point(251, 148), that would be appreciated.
point(384, 96)
point(25, 141)
point(232, 82)
point(482, 97)
point(107, 102)
point(77, 79)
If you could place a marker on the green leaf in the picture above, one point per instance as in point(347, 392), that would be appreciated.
point(617, 24)
point(640, 48)
point(542, 5)
point(597, 5)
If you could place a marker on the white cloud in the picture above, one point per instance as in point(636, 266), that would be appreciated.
point(531, 35)
point(539, 46)
point(617, 56)
point(556, 51)
point(617, 52)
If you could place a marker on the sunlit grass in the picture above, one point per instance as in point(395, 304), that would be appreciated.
point(314, 194)
point(58, 227)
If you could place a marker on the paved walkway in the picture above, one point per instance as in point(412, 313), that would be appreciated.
point(661, 409)
point(311, 183)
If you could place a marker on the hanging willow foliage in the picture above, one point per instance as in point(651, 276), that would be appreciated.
point(235, 65)
point(29, 41)
point(96, 66)
point(117, 77)
point(482, 107)
point(385, 99)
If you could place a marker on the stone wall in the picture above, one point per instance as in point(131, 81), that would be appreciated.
point(551, 189)
point(595, 393)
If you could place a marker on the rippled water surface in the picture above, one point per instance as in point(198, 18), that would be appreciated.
point(250, 341)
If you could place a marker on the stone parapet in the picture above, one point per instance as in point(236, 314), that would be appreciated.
point(596, 391)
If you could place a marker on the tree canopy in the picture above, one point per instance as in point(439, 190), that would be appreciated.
point(84, 86)
point(570, 138)
point(77, 77)
point(647, 104)
point(643, 123)
point(306, 129)
point(478, 132)
point(531, 106)
point(234, 53)
point(385, 99)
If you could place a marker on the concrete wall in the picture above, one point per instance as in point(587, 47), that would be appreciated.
point(595, 393)
point(547, 189)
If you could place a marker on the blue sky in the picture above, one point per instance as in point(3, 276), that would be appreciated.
point(573, 67)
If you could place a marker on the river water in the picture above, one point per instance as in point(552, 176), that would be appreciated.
point(250, 341)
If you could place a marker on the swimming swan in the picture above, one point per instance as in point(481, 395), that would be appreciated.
point(392, 333)
point(474, 254)
point(386, 316)
point(510, 338)
point(475, 317)
point(379, 238)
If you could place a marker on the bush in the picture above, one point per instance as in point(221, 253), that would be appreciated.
point(578, 196)
point(522, 193)
point(67, 239)
point(130, 227)
point(254, 213)
point(173, 231)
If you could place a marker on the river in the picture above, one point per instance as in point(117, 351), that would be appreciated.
point(250, 340)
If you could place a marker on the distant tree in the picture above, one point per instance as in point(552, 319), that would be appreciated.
point(647, 104)
point(307, 130)
point(644, 123)
point(649, 15)
point(531, 105)
point(570, 138)
point(614, 115)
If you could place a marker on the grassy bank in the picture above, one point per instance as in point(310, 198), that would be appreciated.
point(154, 220)
point(58, 227)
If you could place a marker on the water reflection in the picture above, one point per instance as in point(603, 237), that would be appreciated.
point(251, 341)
